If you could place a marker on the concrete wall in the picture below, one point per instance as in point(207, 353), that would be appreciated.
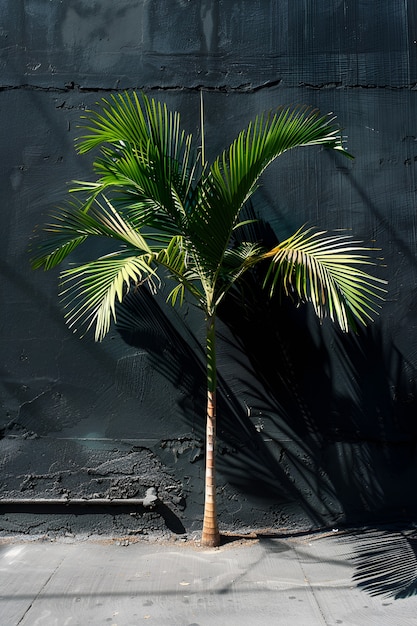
point(316, 428)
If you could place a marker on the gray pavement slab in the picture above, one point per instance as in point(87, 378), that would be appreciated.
point(302, 581)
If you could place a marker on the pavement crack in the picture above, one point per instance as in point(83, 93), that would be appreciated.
point(41, 590)
point(311, 589)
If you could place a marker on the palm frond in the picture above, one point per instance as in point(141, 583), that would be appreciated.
point(144, 177)
point(143, 150)
point(90, 291)
point(180, 266)
point(71, 226)
point(236, 171)
point(234, 175)
point(236, 262)
point(130, 118)
point(327, 271)
point(50, 252)
point(161, 205)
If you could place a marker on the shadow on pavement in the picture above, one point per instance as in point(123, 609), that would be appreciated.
point(385, 561)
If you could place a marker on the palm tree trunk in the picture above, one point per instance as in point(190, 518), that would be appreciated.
point(211, 536)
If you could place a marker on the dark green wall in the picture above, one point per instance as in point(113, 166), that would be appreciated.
point(316, 428)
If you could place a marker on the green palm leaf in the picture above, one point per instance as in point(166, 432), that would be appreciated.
point(132, 119)
point(326, 270)
point(236, 262)
point(72, 225)
point(143, 151)
point(52, 251)
point(175, 258)
point(90, 291)
point(234, 175)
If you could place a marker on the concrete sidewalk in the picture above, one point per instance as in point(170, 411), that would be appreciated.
point(298, 581)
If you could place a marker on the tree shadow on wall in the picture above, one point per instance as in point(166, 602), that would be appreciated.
point(175, 352)
point(307, 416)
point(339, 409)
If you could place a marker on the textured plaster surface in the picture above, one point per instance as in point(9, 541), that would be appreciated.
point(315, 428)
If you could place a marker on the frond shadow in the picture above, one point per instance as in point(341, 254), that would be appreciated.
point(174, 351)
point(338, 409)
point(385, 561)
point(341, 408)
point(308, 417)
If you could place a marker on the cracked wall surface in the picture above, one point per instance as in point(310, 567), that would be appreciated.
point(315, 428)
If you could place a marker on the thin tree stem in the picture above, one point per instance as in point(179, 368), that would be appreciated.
point(211, 535)
point(203, 147)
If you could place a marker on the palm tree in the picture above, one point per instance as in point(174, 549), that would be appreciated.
point(167, 210)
